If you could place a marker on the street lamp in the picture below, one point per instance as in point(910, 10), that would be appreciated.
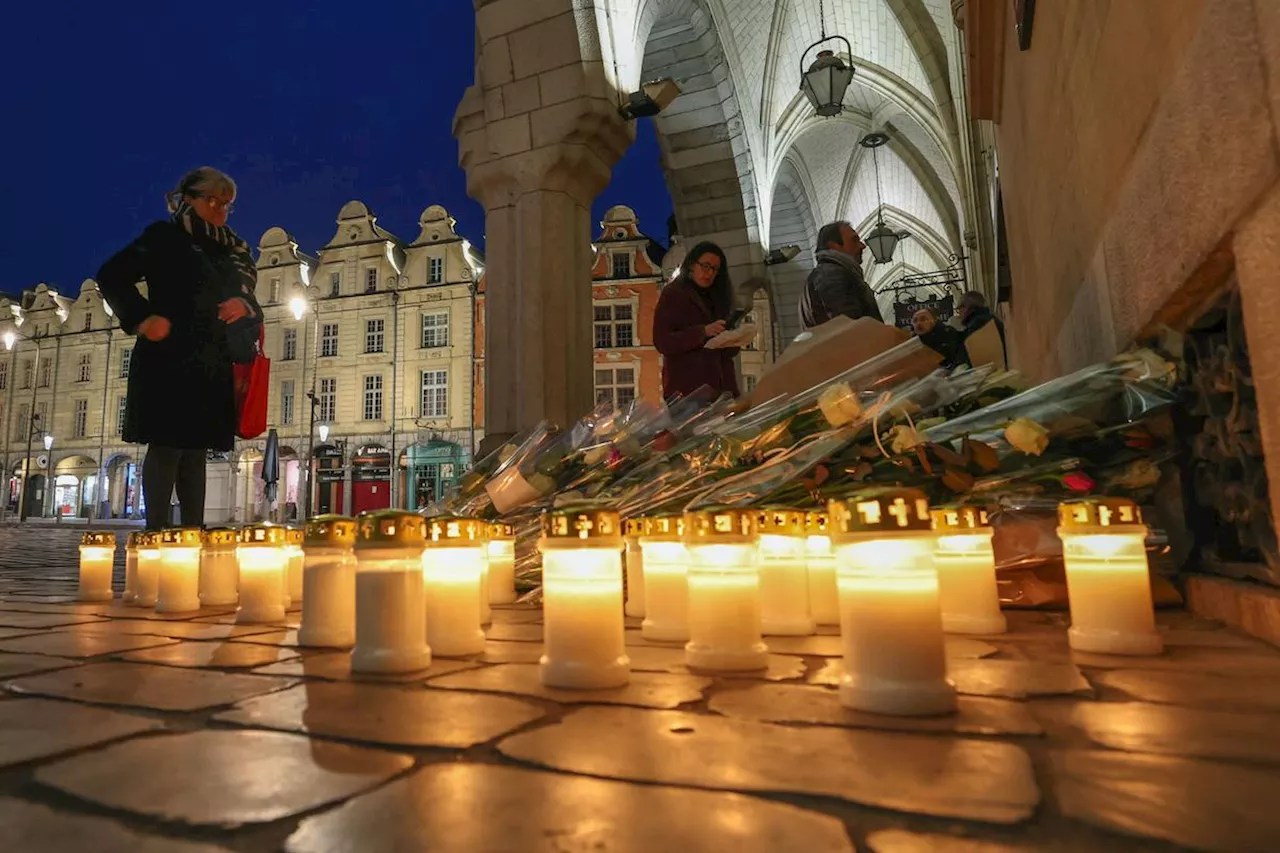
point(48, 468)
point(324, 433)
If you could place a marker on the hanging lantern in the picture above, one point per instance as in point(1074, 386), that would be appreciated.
point(263, 564)
point(724, 591)
point(97, 554)
point(890, 619)
point(179, 590)
point(148, 574)
point(453, 565)
point(882, 241)
point(219, 569)
point(391, 609)
point(329, 583)
point(827, 78)
point(131, 567)
point(584, 643)
point(634, 565)
point(502, 563)
point(1108, 578)
point(666, 585)
point(820, 559)
point(967, 572)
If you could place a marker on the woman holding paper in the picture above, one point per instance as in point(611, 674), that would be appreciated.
point(692, 311)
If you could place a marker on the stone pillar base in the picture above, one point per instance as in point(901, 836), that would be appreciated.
point(1251, 607)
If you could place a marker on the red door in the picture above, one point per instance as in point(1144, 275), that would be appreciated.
point(369, 495)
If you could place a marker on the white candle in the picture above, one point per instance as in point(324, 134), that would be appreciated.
point(486, 608)
point(297, 562)
point(179, 590)
point(97, 555)
point(329, 583)
point(724, 591)
point(633, 563)
point(784, 574)
point(666, 584)
point(454, 562)
point(131, 567)
point(263, 562)
point(890, 616)
point(584, 644)
point(147, 586)
point(502, 563)
point(219, 569)
point(824, 595)
point(966, 572)
point(1108, 577)
point(391, 622)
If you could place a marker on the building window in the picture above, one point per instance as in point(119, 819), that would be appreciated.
point(373, 398)
point(370, 280)
point(286, 402)
point(750, 382)
point(435, 394)
point(126, 358)
point(26, 374)
point(4, 375)
point(327, 400)
point(373, 335)
point(435, 330)
point(41, 416)
point(275, 291)
point(614, 326)
point(121, 404)
point(22, 426)
point(329, 340)
point(88, 321)
point(435, 270)
point(335, 284)
point(616, 385)
point(750, 320)
point(85, 367)
point(81, 424)
point(621, 266)
point(46, 372)
point(290, 345)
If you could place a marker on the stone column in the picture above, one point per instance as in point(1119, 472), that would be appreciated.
point(538, 136)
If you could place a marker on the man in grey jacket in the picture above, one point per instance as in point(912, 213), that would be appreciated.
point(836, 286)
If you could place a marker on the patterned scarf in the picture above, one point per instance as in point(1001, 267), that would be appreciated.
point(241, 258)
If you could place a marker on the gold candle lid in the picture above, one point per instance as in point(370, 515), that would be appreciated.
point(781, 522)
point(633, 527)
point(182, 537)
point(954, 519)
point(99, 539)
point(662, 526)
point(817, 523)
point(390, 528)
point(148, 538)
point(294, 536)
point(728, 524)
point(1087, 514)
point(584, 525)
point(502, 530)
point(449, 531)
point(880, 511)
point(262, 534)
point(331, 530)
point(221, 536)
point(135, 539)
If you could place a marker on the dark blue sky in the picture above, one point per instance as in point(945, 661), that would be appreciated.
point(306, 105)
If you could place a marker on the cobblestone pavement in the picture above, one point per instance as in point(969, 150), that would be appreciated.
point(124, 731)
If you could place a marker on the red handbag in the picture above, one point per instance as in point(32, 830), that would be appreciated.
point(253, 381)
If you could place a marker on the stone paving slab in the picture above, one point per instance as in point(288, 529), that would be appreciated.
point(225, 655)
point(221, 778)
point(1009, 679)
point(33, 828)
point(336, 666)
point(385, 714)
point(16, 619)
point(12, 665)
point(39, 728)
point(81, 644)
point(1194, 689)
point(175, 630)
point(287, 637)
point(647, 689)
point(160, 688)
point(470, 808)
point(973, 780)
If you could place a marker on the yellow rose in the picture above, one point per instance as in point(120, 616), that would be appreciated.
point(903, 438)
point(839, 404)
point(1028, 436)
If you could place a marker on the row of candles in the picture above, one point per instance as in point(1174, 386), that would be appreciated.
point(894, 574)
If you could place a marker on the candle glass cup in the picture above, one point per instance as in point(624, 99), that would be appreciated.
point(666, 584)
point(820, 558)
point(219, 569)
point(502, 564)
point(97, 559)
point(295, 568)
point(329, 583)
point(391, 622)
point(454, 563)
point(263, 562)
point(147, 586)
point(784, 575)
point(179, 586)
point(633, 564)
point(724, 592)
point(131, 568)
point(966, 566)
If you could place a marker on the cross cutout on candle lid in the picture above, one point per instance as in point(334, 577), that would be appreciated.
point(584, 526)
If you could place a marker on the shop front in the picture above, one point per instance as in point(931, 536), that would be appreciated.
point(371, 478)
point(429, 471)
point(330, 473)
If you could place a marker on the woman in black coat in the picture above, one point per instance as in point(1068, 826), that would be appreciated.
point(692, 310)
point(199, 315)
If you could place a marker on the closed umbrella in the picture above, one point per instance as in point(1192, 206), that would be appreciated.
point(271, 467)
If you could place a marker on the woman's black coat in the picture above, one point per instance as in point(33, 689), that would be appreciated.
point(181, 391)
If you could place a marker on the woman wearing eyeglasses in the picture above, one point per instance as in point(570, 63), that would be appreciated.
point(198, 316)
point(692, 310)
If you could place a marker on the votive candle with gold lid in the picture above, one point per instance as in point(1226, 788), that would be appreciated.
point(820, 558)
point(147, 586)
point(584, 645)
point(967, 571)
point(502, 563)
point(179, 588)
point(633, 565)
point(329, 583)
point(219, 568)
point(293, 538)
point(724, 591)
point(131, 567)
point(1108, 577)
point(890, 616)
point(666, 586)
point(453, 564)
point(391, 608)
point(97, 558)
point(263, 563)
point(784, 573)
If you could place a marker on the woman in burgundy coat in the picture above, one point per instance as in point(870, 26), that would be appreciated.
point(692, 309)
